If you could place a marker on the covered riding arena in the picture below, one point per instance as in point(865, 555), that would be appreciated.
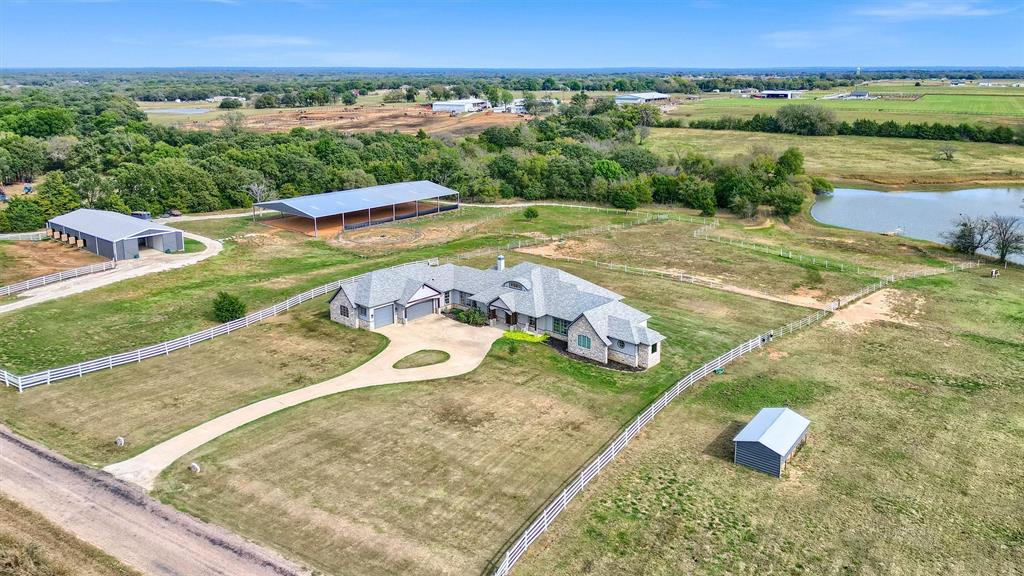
point(334, 212)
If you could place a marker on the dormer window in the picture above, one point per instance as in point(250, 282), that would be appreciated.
point(515, 285)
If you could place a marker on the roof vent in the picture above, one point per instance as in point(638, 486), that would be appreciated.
point(501, 262)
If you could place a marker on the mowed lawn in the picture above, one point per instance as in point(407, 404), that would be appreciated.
point(910, 466)
point(431, 478)
point(949, 108)
point(31, 545)
point(887, 161)
point(158, 398)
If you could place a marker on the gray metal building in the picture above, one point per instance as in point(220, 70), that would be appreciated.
point(770, 439)
point(113, 235)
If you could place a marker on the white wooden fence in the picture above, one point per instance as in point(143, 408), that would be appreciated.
point(164, 348)
point(558, 504)
point(56, 277)
point(24, 236)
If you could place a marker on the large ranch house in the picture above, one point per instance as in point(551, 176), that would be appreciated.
point(592, 321)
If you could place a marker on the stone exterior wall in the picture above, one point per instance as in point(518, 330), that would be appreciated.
point(646, 358)
point(598, 351)
point(621, 358)
point(353, 319)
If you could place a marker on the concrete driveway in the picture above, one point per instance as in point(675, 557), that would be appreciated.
point(150, 262)
point(467, 345)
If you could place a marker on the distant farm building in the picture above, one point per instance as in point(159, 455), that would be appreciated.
point(784, 94)
point(859, 96)
point(770, 439)
point(351, 209)
point(518, 106)
point(642, 98)
point(113, 235)
point(744, 92)
point(460, 106)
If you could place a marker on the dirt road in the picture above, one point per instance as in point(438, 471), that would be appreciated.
point(123, 521)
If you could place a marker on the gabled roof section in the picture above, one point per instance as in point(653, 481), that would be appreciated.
point(342, 201)
point(622, 322)
point(778, 429)
point(110, 226)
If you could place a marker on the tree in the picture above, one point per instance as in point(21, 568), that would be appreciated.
point(969, 235)
point(259, 192)
point(410, 94)
point(230, 103)
point(946, 152)
point(580, 99)
point(786, 200)
point(610, 170)
point(807, 120)
point(265, 100)
point(699, 194)
point(1007, 235)
point(393, 96)
point(348, 98)
point(23, 214)
point(56, 196)
point(821, 186)
point(531, 213)
point(233, 121)
point(228, 307)
point(624, 199)
point(791, 162)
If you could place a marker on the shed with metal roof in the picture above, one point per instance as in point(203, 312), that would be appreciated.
point(366, 206)
point(114, 235)
point(770, 439)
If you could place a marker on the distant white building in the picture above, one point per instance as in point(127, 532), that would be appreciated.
point(518, 106)
point(642, 98)
point(461, 106)
point(222, 98)
point(784, 94)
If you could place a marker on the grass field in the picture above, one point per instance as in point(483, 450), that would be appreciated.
point(163, 396)
point(907, 469)
point(880, 161)
point(31, 545)
point(422, 358)
point(428, 478)
point(945, 107)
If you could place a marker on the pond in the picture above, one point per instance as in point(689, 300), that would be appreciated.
point(924, 215)
point(182, 111)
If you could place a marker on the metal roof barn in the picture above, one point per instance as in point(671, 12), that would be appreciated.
point(770, 439)
point(114, 235)
point(363, 201)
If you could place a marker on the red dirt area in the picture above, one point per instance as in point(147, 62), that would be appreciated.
point(331, 225)
point(406, 119)
point(24, 260)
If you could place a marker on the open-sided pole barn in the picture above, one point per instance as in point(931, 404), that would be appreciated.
point(351, 209)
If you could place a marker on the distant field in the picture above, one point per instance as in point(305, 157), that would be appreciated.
point(883, 161)
point(952, 107)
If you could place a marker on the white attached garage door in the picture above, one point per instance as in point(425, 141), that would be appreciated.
point(419, 310)
point(383, 316)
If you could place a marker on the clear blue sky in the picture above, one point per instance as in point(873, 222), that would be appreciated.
point(515, 34)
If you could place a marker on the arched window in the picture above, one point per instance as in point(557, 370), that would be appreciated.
point(515, 285)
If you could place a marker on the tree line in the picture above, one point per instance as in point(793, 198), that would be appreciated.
point(589, 150)
point(811, 120)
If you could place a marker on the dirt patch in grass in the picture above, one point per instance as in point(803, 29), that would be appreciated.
point(888, 305)
point(31, 545)
point(23, 260)
point(422, 358)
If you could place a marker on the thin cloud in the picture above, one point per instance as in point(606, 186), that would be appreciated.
point(252, 41)
point(925, 9)
point(802, 39)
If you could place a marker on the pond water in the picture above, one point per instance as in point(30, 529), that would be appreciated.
point(924, 215)
point(178, 110)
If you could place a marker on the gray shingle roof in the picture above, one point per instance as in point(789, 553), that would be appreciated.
point(548, 292)
point(333, 203)
point(111, 226)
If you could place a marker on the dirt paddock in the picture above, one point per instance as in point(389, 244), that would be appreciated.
point(24, 260)
point(332, 225)
point(405, 119)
